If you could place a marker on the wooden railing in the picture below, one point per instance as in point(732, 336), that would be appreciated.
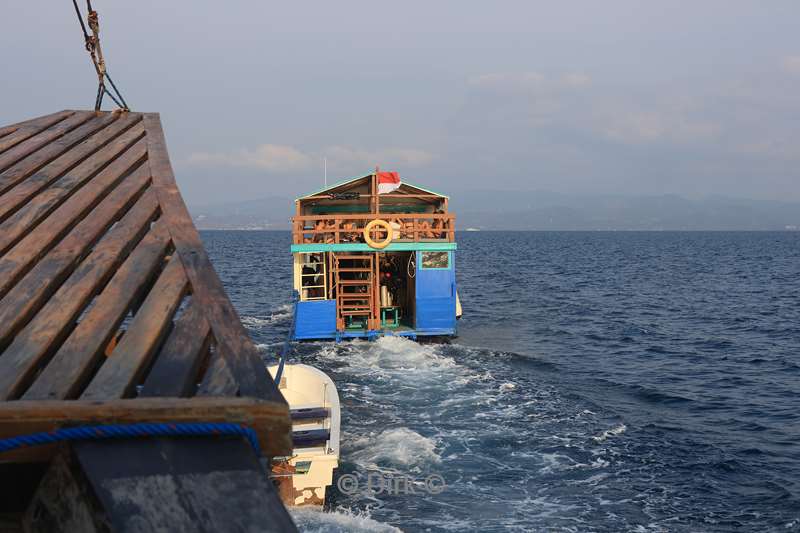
point(339, 229)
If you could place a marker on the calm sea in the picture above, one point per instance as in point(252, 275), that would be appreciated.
point(600, 382)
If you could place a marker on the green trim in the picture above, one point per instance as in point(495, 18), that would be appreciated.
point(426, 190)
point(363, 247)
point(345, 182)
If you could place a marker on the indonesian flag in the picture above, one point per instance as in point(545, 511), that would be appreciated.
point(388, 182)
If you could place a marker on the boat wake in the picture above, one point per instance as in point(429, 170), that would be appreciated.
point(339, 521)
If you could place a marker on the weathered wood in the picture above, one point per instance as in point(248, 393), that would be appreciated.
point(68, 372)
point(120, 372)
point(53, 151)
point(69, 171)
point(65, 500)
point(28, 295)
point(92, 228)
point(54, 322)
point(199, 484)
point(270, 420)
point(72, 214)
point(233, 344)
point(28, 147)
point(176, 371)
point(24, 130)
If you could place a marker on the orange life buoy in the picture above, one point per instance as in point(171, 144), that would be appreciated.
point(385, 226)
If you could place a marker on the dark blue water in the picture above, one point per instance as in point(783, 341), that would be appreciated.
point(601, 382)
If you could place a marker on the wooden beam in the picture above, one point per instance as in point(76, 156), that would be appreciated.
point(27, 150)
point(177, 368)
point(57, 316)
point(270, 420)
point(72, 214)
point(121, 371)
point(239, 353)
point(16, 133)
point(71, 367)
point(62, 177)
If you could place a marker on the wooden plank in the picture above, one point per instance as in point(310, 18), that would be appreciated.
point(53, 322)
point(70, 369)
point(21, 258)
point(24, 130)
point(65, 500)
point(270, 420)
point(26, 297)
point(203, 485)
point(16, 197)
point(15, 227)
point(53, 150)
point(120, 373)
point(234, 346)
point(176, 370)
point(28, 147)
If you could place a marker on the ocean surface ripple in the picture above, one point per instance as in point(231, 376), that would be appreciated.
point(601, 382)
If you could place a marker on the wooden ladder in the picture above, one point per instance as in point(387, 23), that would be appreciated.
point(354, 282)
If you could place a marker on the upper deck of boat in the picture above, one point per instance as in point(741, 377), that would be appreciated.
point(334, 218)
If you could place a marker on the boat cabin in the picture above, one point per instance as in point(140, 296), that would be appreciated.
point(374, 256)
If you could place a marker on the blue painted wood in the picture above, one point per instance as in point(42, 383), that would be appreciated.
point(310, 413)
point(311, 437)
point(436, 298)
point(315, 319)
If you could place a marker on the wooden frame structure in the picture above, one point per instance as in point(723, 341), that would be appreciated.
point(340, 228)
point(110, 310)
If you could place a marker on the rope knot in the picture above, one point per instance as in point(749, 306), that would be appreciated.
point(94, 21)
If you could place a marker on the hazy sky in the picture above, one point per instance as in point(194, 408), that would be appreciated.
point(687, 97)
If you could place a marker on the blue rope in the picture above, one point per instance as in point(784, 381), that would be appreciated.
point(146, 429)
point(287, 343)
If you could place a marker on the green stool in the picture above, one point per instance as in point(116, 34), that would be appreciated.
point(390, 316)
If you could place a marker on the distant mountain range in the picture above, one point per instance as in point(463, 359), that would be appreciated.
point(544, 210)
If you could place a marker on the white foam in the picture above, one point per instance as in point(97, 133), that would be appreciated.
point(341, 521)
point(283, 312)
point(619, 430)
point(397, 447)
point(394, 357)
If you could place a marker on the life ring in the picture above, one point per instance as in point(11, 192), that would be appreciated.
point(385, 226)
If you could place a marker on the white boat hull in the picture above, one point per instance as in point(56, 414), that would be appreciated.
point(316, 417)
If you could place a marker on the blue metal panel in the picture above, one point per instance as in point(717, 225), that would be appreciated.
point(315, 319)
point(436, 299)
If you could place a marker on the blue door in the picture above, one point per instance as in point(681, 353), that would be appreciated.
point(436, 292)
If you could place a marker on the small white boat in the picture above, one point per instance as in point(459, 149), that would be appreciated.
point(314, 406)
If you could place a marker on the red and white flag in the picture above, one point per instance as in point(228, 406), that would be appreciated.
point(388, 182)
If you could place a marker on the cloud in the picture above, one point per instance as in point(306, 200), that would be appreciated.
point(290, 160)
point(637, 127)
point(774, 148)
point(343, 156)
point(791, 64)
point(528, 81)
point(270, 157)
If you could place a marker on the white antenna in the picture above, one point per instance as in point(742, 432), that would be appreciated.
point(325, 164)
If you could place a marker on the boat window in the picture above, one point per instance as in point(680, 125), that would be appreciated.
point(313, 277)
point(439, 260)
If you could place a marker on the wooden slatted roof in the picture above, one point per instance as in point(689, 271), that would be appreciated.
point(107, 297)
